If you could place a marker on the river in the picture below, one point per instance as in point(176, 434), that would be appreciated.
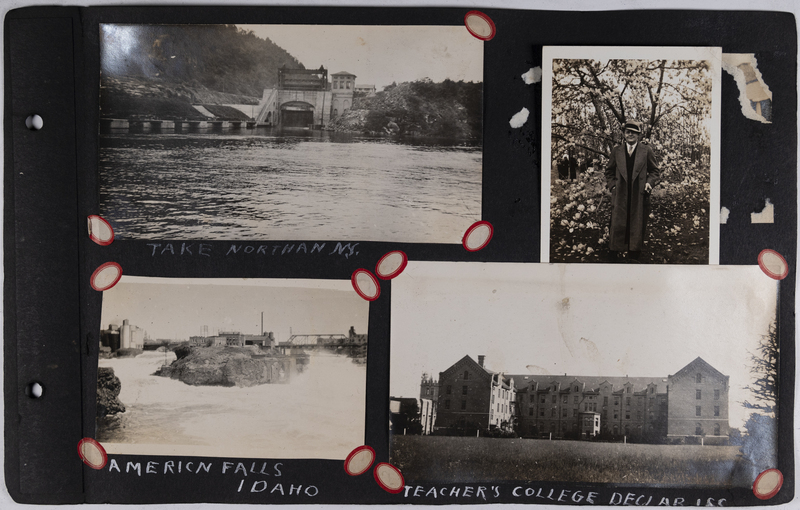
point(276, 185)
point(320, 414)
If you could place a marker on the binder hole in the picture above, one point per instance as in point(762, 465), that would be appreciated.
point(34, 122)
point(34, 390)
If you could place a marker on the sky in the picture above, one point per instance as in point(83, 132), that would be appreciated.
point(179, 308)
point(579, 319)
point(380, 55)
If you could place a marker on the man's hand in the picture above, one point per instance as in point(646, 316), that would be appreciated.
point(647, 187)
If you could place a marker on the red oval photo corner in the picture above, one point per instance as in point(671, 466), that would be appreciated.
point(92, 453)
point(477, 236)
point(767, 484)
point(773, 264)
point(359, 461)
point(100, 231)
point(365, 284)
point(105, 276)
point(480, 25)
point(391, 265)
point(389, 478)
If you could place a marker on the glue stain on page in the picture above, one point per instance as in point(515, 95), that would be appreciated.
point(755, 96)
point(519, 118)
point(767, 215)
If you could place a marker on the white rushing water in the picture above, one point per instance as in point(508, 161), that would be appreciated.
point(320, 414)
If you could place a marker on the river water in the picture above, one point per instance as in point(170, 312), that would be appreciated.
point(267, 184)
point(320, 414)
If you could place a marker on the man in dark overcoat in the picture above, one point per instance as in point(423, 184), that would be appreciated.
point(631, 175)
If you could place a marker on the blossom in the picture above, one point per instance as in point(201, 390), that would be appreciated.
point(589, 250)
point(577, 216)
point(581, 207)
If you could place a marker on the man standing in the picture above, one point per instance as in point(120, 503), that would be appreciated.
point(631, 175)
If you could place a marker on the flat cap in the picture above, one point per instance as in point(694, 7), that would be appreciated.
point(634, 126)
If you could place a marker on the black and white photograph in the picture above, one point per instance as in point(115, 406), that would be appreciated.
point(655, 375)
point(235, 368)
point(630, 155)
point(291, 132)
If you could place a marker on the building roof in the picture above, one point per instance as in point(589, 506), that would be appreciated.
point(343, 73)
point(592, 383)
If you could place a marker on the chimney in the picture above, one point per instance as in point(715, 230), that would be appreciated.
point(481, 357)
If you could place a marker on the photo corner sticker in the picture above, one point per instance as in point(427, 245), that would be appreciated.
point(389, 478)
point(480, 25)
point(477, 236)
point(391, 265)
point(359, 461)
point(365, 284)
point(773, 264)
point(105, 276)
point(92, 453)
point(100, 231)
point(768, 483)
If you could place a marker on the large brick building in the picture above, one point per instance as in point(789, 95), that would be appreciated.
point(693, 403)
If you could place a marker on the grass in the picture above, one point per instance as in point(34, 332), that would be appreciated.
point(440, 459)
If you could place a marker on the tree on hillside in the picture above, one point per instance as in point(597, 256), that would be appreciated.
point(760, 446)
point(766, 388)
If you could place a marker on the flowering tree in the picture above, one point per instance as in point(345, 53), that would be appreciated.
point(591, 102)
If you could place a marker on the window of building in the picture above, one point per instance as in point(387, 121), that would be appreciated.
point(698, 429)
point(564, 413)
point(699, 378)
point(448, 389)
point(464, 390)
point(574, 413)
point(716, 394)
point(616, 401)
point(628, 389)
point(652, 389)
point(716, 410)
point(466, 375)
point(716, 429)
point(492, 398)
point(554, 399)
point(530, 412)
point(552, 427)
point(447, 404)
point(605, 401)
point(616, 416)
point(533, 398)
point(627, 401)
point(698, 411)
point(464, 404)
point(698, 394)
point(627, 416)
point(564, 399)
point(552, 413)
point(576, 388)
point(575, 400)
point(543, 399)
point(541, 413)
point(348, 84)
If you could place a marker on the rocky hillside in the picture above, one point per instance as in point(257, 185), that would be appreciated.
point(108, 389)
point(129, 97)
point(421, 108)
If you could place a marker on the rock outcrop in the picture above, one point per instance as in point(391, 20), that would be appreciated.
point(229, 366)
point(108, 388)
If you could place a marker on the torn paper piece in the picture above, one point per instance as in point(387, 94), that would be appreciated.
point(534, 75)
point(723, 215)
point(519, 118)
point(767, 215)
point(754, 95)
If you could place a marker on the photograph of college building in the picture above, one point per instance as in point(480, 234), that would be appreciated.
point(691, 404)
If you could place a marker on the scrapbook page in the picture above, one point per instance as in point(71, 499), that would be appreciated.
point(382, 255)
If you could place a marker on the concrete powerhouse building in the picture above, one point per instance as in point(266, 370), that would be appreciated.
point(692, 403)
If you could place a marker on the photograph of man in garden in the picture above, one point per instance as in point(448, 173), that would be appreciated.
point(642, 125)
point(631, 175)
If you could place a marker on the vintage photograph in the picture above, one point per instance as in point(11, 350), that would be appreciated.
point(290, 132)
point(232, 367)
point(630, 155)
point(662, 375)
